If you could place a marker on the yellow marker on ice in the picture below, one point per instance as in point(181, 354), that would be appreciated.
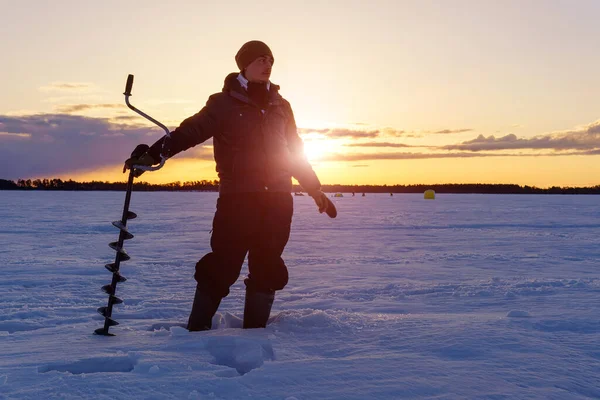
point(429, 194)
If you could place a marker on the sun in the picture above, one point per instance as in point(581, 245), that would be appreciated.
point(318, 149)
point(314, 150)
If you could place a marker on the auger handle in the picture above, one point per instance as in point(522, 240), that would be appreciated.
point(150, 168)
point(129, 85)
point(127, 93)
point(137, 152)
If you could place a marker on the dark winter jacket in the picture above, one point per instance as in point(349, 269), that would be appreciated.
point(254, 151)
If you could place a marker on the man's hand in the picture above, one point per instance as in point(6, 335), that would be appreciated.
point(320, 199)
point(139, 159)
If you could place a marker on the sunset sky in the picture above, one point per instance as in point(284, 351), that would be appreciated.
point(384, 92)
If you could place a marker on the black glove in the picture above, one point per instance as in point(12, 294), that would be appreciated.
point(323, 203)
point(139, 156)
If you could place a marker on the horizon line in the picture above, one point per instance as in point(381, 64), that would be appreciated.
point(212, 182)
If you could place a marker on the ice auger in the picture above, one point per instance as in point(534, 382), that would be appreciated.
point(124, 233)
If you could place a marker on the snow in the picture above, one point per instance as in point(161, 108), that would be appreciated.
point(518, 314)
point(465, 296)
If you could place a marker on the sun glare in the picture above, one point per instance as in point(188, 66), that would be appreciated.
point(317, 149)
point(313, 150)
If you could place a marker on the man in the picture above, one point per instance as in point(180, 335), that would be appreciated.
point(257, 151)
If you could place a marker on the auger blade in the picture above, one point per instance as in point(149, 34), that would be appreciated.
point(115, 247)
point(119, 224)
point(120, 278)
point(102, 311)
point(108, 289)
point(116, 300)
point(120, 250)
point(123, 228)
point(112, 267)
point(131, 215)
point(112, 322)
point(103, 332)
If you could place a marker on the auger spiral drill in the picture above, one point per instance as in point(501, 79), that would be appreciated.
point(124, 233)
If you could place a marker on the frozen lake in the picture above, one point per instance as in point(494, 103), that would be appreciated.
point(465, 296)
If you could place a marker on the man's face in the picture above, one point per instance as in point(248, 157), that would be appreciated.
point(260, 69)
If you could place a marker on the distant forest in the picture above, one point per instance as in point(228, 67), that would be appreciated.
point(213, 186)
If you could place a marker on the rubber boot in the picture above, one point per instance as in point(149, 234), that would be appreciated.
point(257, 308)
point(204, 308)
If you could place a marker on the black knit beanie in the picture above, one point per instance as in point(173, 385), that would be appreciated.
point(250, 51)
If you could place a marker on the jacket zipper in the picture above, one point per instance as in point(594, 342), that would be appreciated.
point(262, 132)
point(267, 162)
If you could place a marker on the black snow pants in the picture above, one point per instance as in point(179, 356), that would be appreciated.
point(257, 224)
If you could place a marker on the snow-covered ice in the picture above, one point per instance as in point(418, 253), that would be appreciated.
point(463, 297)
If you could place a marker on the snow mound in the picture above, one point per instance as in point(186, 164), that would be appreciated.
point(166, 326)
point(178, 331)
point(518, 314)
point(574, 325)
point(311, 320)
point(510, 295)
point(16, 326)
point(242, 354)
point(227, 321)
point(92, 365)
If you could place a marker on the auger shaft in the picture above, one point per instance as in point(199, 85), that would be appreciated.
point(121, 256)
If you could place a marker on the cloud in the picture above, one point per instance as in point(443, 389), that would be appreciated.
point(338, 133)
point(14, 135)
point(421, 156)
point(67, 86)
point(351, 133)
point(402, 133)
point(71, 108)
point(400, 156)
point(205, 151)
point(61, 143)
point(379, 144)
point(449, 131)
point(45, 145)
point(594, 152)
point(393, 132)
point(360, 165)
point(585, 138)
point(417, 134)
point(127, 118)
point(490, 143)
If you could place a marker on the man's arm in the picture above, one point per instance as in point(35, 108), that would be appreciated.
point(302, 170)
point(192, 131)
point(300, 167)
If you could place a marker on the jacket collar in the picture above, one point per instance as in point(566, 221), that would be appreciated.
point(244, 81)
point(234, 88)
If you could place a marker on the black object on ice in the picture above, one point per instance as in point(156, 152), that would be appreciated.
point(122, 255)
point(124, 234)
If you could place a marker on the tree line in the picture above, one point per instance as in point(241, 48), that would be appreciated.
point(208, 185)
point(59, 184)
